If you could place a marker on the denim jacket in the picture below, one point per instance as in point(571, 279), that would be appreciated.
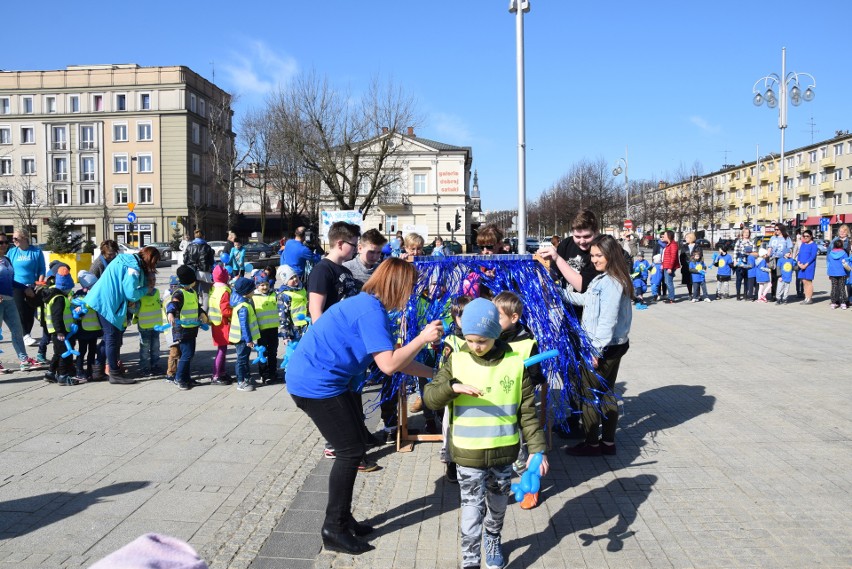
point(607, 312)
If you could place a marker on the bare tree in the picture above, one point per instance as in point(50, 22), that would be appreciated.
point(28, 198)
point(224, 160)
point(354, 148)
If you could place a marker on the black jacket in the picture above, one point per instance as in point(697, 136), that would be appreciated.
point(199, 256)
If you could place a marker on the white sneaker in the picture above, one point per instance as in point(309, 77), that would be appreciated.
point(30, 341)
point(707, 299)
point(694, 300)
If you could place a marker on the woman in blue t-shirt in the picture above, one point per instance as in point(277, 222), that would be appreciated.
point(339, 346)
point(29, 265)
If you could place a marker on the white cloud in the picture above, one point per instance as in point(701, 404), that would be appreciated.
point(702, 123)
point(257, 69)
point(450, 129)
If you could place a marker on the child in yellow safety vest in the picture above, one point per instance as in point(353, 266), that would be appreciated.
point(244, 333)
point(58, 321)
point(219, 312)
point(292, 306)
point(185, 306)
point(266, 311)
point(89, 331)
point(149, 315)
point(492, 402)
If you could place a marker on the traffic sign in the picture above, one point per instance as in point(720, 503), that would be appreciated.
point(823, 224)
point(131, 205)
point(131, 217)
point(628, 224)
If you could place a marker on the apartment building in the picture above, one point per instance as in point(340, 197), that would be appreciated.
point(94, 140)
point(818, 185)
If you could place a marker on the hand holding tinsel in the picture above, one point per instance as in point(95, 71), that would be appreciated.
point(70, 350)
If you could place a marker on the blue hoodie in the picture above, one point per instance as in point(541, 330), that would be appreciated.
point(641, 267)
point(123, 281)
point(762, 273)
point(657, 274)
point(750, 263)
point(849, 264)
point(835, 260)
point(786, 267)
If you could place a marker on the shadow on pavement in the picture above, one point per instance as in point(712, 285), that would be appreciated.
point(74, 503)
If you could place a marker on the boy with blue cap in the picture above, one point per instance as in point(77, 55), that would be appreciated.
point(487, 412)
point(244, 332)
point(58, 320)
point(266, 310)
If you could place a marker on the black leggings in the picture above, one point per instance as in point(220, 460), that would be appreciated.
point(341, 423)
point(26, 312)
point(606, 412)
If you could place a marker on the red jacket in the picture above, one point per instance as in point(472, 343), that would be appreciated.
point(670, 257)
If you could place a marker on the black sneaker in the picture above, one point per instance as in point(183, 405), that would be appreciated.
point(50, 377)
point(184, 385)
point(452, 473)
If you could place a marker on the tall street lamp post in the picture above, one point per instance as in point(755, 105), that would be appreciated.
point(783, 82)
point(519, 8)
point(617, 172)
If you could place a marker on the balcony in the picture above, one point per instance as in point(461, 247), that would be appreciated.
point(764, 196)
point(747, 200)
point(826, 210)
point(803, 168)
point(827, 186)
point(827, 162)
point(87, 145)
point(393, 201)
point(60, 145)
point(803, 190)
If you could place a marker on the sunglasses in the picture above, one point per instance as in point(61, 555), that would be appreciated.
point(488, 247)
point(4, 242)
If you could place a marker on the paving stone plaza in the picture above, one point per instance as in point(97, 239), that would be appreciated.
point(733, 451)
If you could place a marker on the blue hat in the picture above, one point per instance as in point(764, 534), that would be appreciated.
point(243, 286)
point(481, 318)
point(64, 280)
point(86, 279)
point(262, 277)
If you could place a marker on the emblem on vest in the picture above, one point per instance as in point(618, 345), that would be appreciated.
point(507, 383)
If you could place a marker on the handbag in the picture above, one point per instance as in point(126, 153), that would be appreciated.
point(772, 263)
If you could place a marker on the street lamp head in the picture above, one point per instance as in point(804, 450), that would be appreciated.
point(617, 171)
point(809, 94)
point(758, 99)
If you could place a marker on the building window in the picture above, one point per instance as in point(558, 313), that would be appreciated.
point(768, 208)
point(87, 169)
point(87, 137)
point(838, 149)
point(146, 194)
point(196, 164)
point(812, 203)
point(61, 196)
point(26, 105)
point(119, 163)
point(144, 163)
point(87, 196)
point(119, 132)
point(60, 169)
point(391, 223)
point(144, 101)
point(6, 197)
point(28, 166)
point(838, 199)
point(50, 104)
point(196, 193)
point(121, 102)
point(823, 152)
point(74, 103)
point(771, 187)
point(812, 156)
point(5, 106)
point(122, 195)
point(419, 184)
point(5, 166)
point(848, 198)
point(5, 135)
point(143, 131)
point(30, 197)
point(202, 107)
point(838, 174)
point(60, 141)
point(27, 135)
point(812, 180)
point(192, 100)
point(97, 103)
point(196, 133)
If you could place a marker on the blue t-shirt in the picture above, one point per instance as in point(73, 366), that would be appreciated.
point(786, 267)
point(697, 277)
point(338, 347)
point(723, 265)
point(656, 273)
point(750, 264)
point(761, 274)
point(29, 264)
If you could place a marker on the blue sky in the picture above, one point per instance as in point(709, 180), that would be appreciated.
point(671, 80)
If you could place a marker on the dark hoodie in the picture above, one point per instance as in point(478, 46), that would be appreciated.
point(57, 308)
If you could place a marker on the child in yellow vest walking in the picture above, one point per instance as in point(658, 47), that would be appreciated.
point(292, 310)
point(489, 410)
point(150, 314)
point(88, 333)
point(58, 321)
point(266, 310)
point(219, 313)
point(244, 333)
point(184, 306)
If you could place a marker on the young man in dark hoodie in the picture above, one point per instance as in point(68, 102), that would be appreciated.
point(521, 340)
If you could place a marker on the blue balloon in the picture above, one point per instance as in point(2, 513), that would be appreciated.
point(248, 268)
point(540, 357)
point(261, 355)
point(530, 480)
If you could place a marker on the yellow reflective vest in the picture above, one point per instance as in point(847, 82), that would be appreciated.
point(298, 306)
point(67, 318)
point(90, 322)
point(214, 312)
point(235, 334)
point(150, 311)
point(266, 310)
point(189, 310)
point(491, 420)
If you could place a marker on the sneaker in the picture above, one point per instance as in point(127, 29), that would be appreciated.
point(80, 378)
point(519, 466)
point(169, 379)
point(4, 370)
point(493, 551)
point(30, 341)
point(368, 466)
point(328, 453)
point(694, 300)
point(584, 449)
point(843, 307)
point(390, 436)
point(452, 473)
point(50, 377)
point(833, 306)
point(530, 501)
point(245, 386)
point(416, 405)
point(40, 359)
point(707, 299)
point(65, 380)
point(219, 381)
point(808, 301)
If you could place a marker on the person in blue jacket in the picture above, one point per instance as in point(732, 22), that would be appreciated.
point(656, 272)
point(125, 280)
point(237, 259)
point(296, 254)
point(807, 264)
point(751, 277)
point(699, 283)
point(29, 265)
point(837, 274)
point(723, 262)
point(640, 277)
point(786, 268)
point(762, 275)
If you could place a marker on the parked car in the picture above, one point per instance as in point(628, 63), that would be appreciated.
point(261, 254)
point(453, 246)
point(122, 248)
point(727, 244)
point(164, 248)
point(217, 246)
point(532, 244)
point(761, 241)
point(822, 247)
point(703, 243)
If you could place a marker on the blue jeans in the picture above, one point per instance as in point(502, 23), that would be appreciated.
point(112, 343)
point(9, 315)
point(242, 368)
point(669, 276)
point(187, 350)
point(149, 349)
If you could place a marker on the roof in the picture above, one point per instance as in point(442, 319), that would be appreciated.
point(435, 144)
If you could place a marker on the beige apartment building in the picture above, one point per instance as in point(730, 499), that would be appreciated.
point(94, 140)
point(818, 185)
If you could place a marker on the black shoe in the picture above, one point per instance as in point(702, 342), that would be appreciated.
point(359, 529)
point(452, 473)
point(117, 379)
point(344, 542)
